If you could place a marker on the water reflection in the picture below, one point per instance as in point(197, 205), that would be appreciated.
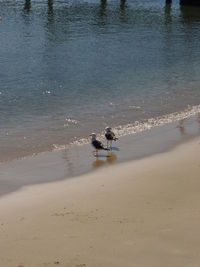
point(50, 12)
point(102, 12)
point(198, 120)
point(112, 158)
point(50, 8)
point(181, 126)
point(102, 9)
point(167, 12)
point(167, 47)
point(27, 6)
point(122, 5)
point(190, 14)
point(99, 162)
point(123, 12)
point(69, 163)
point(102, 15)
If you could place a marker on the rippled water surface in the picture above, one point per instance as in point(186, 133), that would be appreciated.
point(71, 67)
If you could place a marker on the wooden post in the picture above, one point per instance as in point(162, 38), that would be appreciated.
point(190, 2)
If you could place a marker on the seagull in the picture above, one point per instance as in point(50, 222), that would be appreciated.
point(97, 144)
point(110, 136)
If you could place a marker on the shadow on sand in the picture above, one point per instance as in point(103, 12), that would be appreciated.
point(113, 148)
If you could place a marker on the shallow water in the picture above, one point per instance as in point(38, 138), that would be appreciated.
point(75, 161)
point(71, 67)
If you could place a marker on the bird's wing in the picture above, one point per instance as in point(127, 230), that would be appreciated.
point(97, 144)
point(110, 136)
point(114, 136)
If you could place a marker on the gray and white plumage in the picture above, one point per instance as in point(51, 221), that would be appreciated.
point(97, 144)
point(110, 136)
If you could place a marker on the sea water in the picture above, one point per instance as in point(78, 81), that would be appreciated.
point(69, 68)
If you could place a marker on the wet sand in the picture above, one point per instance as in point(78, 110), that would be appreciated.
point(78, 160)
point(140, 213)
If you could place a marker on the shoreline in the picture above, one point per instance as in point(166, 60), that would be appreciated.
point(139, 213)
point(63, 164)
point(14, 149)
point(76, 161)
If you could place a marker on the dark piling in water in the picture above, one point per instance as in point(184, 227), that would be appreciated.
point(190, 2)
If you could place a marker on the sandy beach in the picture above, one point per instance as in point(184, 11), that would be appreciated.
point(140, 213)
point(72, 68)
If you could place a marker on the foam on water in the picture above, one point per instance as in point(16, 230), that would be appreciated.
point(70, 122)
point(138, 126)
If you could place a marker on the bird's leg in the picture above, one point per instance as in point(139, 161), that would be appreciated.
point(95, 153)
point(107, 144)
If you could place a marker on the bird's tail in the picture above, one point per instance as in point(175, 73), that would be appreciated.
point(106, 148)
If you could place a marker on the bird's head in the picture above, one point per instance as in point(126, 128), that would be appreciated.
point(108, 129)
point(93, 136)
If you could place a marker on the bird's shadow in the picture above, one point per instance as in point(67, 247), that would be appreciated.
point(101, 156)
point(114, 148)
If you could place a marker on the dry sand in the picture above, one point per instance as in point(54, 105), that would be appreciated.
point(140, 213)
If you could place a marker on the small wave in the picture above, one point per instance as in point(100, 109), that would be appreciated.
point(145, 125)
point(134, 107)
point(139, 126)
point(78, 142)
